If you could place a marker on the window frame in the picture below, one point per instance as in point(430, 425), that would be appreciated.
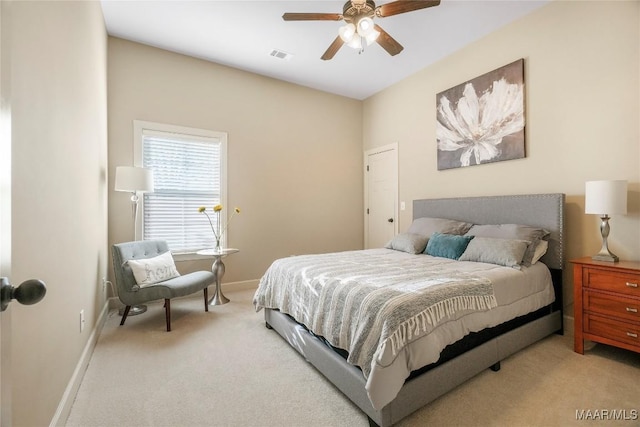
point(139, 128)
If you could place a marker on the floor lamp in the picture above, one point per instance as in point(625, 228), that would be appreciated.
point(134, 180)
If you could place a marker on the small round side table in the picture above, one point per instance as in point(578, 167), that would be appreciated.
point(218, 270)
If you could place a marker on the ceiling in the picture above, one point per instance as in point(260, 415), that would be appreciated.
point(243, 34)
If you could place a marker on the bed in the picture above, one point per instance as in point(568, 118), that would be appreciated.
point(438, 346)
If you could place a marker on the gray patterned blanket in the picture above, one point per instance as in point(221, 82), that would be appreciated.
point(363, 301)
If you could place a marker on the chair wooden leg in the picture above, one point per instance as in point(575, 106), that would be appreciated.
point(206, 298)
point(125, 314)
point(167, 309)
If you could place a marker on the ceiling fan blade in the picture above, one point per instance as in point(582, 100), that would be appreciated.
point(312, 17)
point(397, 7)
point(387, 42)
point(333, 49)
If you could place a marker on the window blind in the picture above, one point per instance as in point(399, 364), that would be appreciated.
point(187, 175)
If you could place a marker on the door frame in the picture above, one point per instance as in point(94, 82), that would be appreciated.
point(389, 147)
point(5, 208)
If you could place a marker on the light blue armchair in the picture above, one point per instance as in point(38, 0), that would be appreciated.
point(131, 294)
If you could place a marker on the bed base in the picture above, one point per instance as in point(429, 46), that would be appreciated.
point(422, 389)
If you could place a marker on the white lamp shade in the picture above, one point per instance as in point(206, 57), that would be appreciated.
point(365, 27)
point(132, 179)
point(347, 32)
point(606, 197)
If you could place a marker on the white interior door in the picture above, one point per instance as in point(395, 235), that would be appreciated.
point(381, 195)
point(5, 213)
point(30, 291)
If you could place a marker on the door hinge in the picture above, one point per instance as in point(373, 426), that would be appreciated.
point(367, 168)
point(367, 211)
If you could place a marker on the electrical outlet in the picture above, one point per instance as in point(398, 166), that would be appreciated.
point(81, 320)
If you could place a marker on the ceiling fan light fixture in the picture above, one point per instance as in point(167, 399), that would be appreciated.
point(347, 32)
point(359, 29)
point(356, 42)
point(365, 27)
point(372, 36)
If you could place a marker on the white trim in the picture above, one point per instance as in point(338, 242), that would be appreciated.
point(242, 285)
point(69, 396)
point(569, 324)
point(115, 304)
point(390, 147)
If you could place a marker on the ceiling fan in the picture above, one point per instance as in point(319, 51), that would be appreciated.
point(360, 30)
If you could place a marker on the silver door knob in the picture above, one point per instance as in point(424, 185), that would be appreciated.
point(27, 293)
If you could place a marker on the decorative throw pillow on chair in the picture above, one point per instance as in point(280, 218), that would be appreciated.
point(153, 270)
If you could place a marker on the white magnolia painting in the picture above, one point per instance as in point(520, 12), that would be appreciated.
point(482, 120)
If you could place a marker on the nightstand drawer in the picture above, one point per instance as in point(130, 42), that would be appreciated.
point(612, 329)
point(628, 284)
point(612, 305)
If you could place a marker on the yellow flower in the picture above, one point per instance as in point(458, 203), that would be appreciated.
point(219, 229)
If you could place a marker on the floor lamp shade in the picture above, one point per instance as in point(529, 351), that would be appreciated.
point(132, 179)
point(603, 198)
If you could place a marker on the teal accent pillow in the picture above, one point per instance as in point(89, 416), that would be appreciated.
point(447, 245)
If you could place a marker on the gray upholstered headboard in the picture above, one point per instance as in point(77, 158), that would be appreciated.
point(539, 210)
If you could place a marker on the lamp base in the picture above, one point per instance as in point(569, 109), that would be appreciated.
point(134, 310)
point(605, 257)
point(605, 254)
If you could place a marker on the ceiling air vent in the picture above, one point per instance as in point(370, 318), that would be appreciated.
point(281, 55)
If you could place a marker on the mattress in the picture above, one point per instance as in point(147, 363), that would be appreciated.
point(516, 292)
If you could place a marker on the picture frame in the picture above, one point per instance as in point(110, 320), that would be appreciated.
point(482, 120)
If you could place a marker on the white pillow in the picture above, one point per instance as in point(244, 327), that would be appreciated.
point(427, 226)
point(407, 242)
point(507, 252)
point(153, 270)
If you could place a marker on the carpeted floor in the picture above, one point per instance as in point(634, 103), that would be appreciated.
point(224, 368)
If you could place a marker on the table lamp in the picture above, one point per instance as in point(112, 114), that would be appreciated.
point(604, 198)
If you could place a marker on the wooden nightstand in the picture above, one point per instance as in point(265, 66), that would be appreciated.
point(606, 303)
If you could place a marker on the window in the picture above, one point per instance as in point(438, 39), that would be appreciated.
point(189, 171)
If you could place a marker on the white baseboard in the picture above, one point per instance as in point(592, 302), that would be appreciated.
point(241, 286)
point(568, 325)
point(114, 302)
point(64, 407)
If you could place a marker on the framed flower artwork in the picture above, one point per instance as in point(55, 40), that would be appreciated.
point(482, 120)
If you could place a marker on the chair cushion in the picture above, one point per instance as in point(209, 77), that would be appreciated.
point(180, 286)
point(153, 270)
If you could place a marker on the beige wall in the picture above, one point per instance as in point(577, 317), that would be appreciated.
point(59, 228)
point(294, 154)
point(582, 85)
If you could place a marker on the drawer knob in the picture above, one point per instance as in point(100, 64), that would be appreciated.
point(632, 334)
point(632, 310)
point(632, 285)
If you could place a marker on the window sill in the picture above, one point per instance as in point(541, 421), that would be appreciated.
point(189, 256)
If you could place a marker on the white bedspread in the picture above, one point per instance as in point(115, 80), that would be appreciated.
point(310, 287)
